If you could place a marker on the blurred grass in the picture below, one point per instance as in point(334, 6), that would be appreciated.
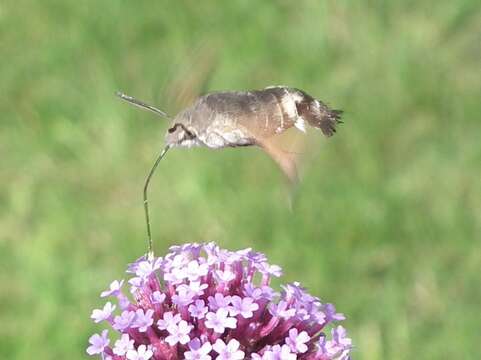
point(387, 221)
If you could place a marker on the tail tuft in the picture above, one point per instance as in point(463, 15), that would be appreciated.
point(328, 121)
point(317, 114)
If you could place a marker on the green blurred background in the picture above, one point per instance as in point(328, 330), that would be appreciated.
point(386, 223)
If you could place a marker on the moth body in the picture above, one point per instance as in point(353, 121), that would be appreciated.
point(243, 118)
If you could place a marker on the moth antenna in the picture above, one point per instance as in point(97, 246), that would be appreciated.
point(146, 201)
point(141, 104)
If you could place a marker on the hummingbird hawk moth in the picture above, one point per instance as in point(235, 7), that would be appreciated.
point(243, 118)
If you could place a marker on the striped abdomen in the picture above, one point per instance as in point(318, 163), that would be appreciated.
point(270, 111)
point(239, 118)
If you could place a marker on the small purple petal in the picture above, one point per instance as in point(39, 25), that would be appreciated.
point(297, 341)
point(123, 345)
point(219, 321)
point(168, 320)
point(219, 301)
point(229, 351)
point(142, 353)
point(98, 343)
point(198, 309)
point(179, 333)
point(114, 289)
point(184, 296)
point(104, 314)
point(282, 310)
point(124, 320)
point(143, 320)
point(244, 307)
point(198, 351)
point(331, 314)
point(158, 297)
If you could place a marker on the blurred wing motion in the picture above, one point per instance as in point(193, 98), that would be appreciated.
point(286, 160)
point(198, 67)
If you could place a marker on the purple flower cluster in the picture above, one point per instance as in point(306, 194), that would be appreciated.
point(202, 302)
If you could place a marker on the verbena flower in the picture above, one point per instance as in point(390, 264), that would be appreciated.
point(203, 302)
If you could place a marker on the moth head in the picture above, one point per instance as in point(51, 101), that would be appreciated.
point(179, 135)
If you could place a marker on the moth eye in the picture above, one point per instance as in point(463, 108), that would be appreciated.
point(171, 130)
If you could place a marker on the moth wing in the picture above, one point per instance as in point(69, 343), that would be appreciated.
point(287, 161)
point(184, 87)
